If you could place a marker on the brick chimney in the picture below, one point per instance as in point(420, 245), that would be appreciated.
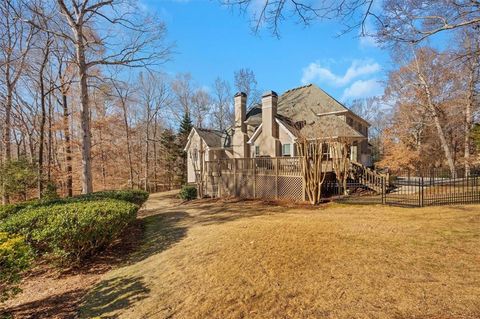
point(240, 137)
point(270, 140)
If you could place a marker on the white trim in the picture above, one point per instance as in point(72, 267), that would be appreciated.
point(348, 112)
point(255, 134)
point(189, 141)
point(259, 130)
point(286, 129)
point(333, 112)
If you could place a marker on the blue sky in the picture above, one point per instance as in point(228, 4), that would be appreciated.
point(212, 41)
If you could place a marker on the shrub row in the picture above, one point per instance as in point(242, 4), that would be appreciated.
point(134, 196)
point(71, 231)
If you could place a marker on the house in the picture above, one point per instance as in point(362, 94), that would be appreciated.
point(272, 128)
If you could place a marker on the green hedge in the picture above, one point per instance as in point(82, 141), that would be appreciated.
point(134, 196)
point(15, 257)
point(71, 231)
point(188, 192)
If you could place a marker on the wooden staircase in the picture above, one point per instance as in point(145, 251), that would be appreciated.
point(368, 177)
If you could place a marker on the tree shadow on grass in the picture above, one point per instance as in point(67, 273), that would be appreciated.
point(57, 306)
point(112, 295)
point(161, 231)
point(224, 212)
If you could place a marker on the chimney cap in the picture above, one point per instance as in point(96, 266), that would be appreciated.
point(270, 93)
point(241, 94)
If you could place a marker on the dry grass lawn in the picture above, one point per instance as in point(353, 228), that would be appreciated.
point(212, 259)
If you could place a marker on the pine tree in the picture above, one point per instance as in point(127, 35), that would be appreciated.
point(182, 138)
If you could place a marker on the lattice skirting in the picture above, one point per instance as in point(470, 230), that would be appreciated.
point(267, 187)
point(244, 186)
point(290, 187)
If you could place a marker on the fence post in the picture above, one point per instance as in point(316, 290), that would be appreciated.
point(276, 178)
point(421, 191)
point(254, 163)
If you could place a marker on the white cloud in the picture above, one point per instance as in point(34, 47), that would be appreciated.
point(316, 72)
point(362, 89)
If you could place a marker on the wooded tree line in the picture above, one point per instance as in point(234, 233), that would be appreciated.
point(83, 105)
point(428, 114)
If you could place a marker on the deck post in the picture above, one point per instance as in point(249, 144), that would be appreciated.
point(235, 177)
point(219, 179)
point(254, 169)
point(276, 178)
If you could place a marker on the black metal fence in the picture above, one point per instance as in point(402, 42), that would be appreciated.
point(413, 188)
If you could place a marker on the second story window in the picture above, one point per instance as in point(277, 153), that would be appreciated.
point(287, 150)
point(257, 151)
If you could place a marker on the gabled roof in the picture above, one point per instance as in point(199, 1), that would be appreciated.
point(302, 103)
point(212, 138)
point(329, 126)
point(283, 123)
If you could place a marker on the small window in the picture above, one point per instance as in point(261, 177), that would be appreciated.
point(195, 155)
point(286, 150)
point(257, 151)
point(326, 151)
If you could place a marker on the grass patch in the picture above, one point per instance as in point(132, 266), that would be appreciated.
point(250, 260)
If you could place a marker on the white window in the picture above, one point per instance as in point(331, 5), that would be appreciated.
point(257, 151)
point(286, 150)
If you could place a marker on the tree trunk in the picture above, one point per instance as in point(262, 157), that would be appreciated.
point(87, 184)
point(50, 137)
point(41, 142)
point(127, 134)
point(436, 118)
point(68, 146)
point(469, 105)
point(7, 155)
point(147, 148)
point(155, 154)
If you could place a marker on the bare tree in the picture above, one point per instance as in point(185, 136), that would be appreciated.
point(222, 112)
point(352, 13)
point(123, 93)
point(414, 21)
point(396, 21)
point(15, 44)
point(313, 167)
point(245, 81)
point(470, 55)
point(104, 33)
point(339, 149)
point(201, 102)
point(154, 95)
point(183, 91)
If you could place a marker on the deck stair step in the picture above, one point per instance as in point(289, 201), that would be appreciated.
point(368, 177)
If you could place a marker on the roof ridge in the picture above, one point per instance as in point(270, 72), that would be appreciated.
point(299, 87)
